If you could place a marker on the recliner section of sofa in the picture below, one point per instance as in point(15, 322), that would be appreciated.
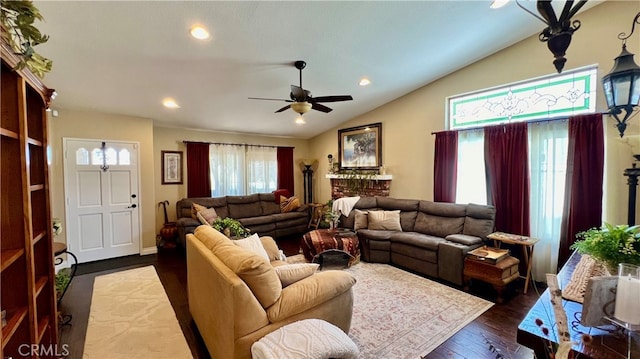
point(435, 236)
point(258, 212)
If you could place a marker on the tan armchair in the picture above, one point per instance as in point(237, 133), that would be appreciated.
point(235, 296)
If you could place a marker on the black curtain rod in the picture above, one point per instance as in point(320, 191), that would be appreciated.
point(237, 144)
point(560, 118)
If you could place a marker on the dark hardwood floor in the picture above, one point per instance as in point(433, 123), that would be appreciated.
point(496, 327)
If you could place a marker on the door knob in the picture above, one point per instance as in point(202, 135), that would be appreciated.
point(133, 206)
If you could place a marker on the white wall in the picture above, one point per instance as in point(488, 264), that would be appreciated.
point(408, 121)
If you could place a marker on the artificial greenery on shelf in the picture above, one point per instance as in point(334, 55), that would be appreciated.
point(17, 18)
point(230, 227)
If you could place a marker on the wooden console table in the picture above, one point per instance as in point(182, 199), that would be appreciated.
point(605, 342)
point(527, 244)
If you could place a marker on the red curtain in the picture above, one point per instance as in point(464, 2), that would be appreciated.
point(506, 157)
point(198, 176)
point(285, 168)
point(445, 166)
point(585, 173)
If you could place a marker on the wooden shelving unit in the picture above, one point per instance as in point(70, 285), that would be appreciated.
point(26, 249)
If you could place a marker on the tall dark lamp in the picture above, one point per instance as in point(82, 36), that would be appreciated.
point(622, 84)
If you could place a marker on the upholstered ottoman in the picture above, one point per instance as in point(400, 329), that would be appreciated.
point(320, 240)
point(498, 275)
point(309, 339)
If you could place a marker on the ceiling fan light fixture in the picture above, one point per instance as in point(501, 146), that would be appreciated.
point(301, 107)
point(199, 32)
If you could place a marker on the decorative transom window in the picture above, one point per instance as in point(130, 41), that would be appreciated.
point(569, 93)
point(113, 157)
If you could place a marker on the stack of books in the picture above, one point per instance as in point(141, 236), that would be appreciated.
point(489, 254)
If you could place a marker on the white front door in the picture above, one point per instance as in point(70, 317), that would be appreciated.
point(102, 198)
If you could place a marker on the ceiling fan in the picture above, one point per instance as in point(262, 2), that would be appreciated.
point(301, 100)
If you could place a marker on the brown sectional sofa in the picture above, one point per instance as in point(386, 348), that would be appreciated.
point(435, 236)
point(258, 212)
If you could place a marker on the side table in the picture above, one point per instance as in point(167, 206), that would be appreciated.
point(497, 274)
point(316, 214)
point(527, 244)
point(58, 250)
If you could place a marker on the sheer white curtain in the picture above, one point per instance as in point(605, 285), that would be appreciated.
point(471, 186)
point(261, 169)
point(227, 167)
point(548, 143)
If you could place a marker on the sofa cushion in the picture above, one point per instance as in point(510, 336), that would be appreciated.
point(244, 206)
point(479, 220)
point(464, 239)
point(361, 220)
point(309, 293)
point(373, 234)
point(254, 270)
point(252, 244)
point(438, 226)
point(384, 220)
point(443, 209)
point(418, 240)
point(254, 221)
point(280, 217)
point(366, 203)
point(291, 273)
point(405, 205)
point(408, 220)
point(268, 203)
point(289, 204)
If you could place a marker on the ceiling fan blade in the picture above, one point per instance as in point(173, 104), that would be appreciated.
point(298, 93)
point(331, 98)
point(284, 108)
point(269, 99)
point(321, 108)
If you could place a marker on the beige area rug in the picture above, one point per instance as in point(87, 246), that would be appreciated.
point(131, 317)
point(397, 314)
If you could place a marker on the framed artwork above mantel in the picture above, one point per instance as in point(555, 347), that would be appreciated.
point(360, 147)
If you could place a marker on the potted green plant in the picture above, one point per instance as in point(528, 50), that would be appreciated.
point(230, 227)
point(611, 245)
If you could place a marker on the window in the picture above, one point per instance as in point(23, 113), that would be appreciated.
point(570, 93)
point(471, 186)
point(240, 169)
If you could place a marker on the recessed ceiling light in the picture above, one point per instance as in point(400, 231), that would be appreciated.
point(300, 121)
point(170, 103)
point(199, 32)
point(364, 81)
point(496, 4)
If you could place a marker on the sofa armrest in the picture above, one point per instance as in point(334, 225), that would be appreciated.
point(464, 239)
point(451, 260)
point(309, 293)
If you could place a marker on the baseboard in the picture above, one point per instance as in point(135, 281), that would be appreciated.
point(149, 250)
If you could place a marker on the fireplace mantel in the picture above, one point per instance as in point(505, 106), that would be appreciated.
point(372, 177)
point(377, 185)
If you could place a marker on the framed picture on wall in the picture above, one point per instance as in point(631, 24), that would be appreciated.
point(171, 167)
point(360, 147)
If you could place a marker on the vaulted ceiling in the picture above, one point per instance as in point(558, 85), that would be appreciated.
point(125, 57)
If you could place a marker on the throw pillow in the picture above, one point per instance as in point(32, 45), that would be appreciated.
point(253, 244)
point(292, 273)
point(361, 220)
point(385, 220)
point(289, 204)
point(271, 247)
point(195, 208)
point(207, 216)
